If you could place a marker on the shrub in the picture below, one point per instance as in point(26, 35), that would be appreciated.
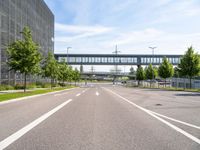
point(6, 87)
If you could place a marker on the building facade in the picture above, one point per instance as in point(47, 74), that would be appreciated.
point(14, 16)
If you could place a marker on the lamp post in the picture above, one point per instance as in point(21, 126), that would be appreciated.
point(153, 49)
point(68, 53)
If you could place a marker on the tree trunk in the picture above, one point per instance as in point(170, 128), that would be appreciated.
point(25, 82)
point(190, 82)
point(150, 83)
point(51, 83)
point(184, 83)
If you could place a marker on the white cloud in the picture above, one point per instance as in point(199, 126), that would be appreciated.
point(73, 32)
point(138, 36)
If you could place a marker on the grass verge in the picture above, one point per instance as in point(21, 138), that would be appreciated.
point(10, 96)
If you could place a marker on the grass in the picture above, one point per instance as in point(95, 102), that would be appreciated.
point(10, 96)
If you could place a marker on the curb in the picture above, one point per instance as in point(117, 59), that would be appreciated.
point(33, 96)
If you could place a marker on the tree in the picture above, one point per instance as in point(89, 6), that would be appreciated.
point(140, 74)
point(50, 68)
point(81, 69)
point(176, 72)
point(70, 74)
point(63, 71)
point(24, 56)
point(165, 69)
point(189, 64)
point(76, 75)
point(132, 73)
point(150, 73)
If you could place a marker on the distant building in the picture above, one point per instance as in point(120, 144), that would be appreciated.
point(14, 16)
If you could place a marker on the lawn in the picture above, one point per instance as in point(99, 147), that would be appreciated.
point(10, 96)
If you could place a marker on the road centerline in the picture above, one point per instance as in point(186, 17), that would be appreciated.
point(15, 136)
point(186, 134)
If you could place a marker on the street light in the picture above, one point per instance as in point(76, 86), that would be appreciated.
point(68, 53)
point(153, 48)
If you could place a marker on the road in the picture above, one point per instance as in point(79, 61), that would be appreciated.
point(103, 117)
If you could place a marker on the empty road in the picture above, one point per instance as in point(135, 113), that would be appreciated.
point(102, 117)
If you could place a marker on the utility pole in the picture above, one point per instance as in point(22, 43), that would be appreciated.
point(116, 53)
point(116, 67)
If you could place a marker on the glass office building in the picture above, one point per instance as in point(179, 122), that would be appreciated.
point(14, 16)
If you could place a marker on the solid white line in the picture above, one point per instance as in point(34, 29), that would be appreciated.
point(175, 120)
point(193, 138)
point(12, 138)
point(34, 96)
point(78, 94)
point(97, 93)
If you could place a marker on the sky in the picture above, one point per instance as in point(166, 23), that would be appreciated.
point(96, 26)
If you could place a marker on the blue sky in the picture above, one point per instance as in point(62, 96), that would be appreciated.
point(96, 26)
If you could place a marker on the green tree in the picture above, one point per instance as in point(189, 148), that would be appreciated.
point(165, 69)
point(132, 73)
point(76, 75)
point(189, 64)
point(63, 71)
point(176, 72)
point(150, 73)
point(70, 74)
point(81, 69)
point(50, 68)
point(140, 75)
point(24, 56)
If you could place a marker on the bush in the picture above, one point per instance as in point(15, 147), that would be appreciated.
point(19, 86)
point(43, 85)
point(6, 87)
point(61, 84)
point(31, 86)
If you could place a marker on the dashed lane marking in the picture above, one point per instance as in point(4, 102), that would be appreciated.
point(15, 136)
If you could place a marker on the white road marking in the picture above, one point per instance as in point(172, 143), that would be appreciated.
point(78, 94)
point(97, 93)
point(188, 135)
point(34, 96)
point(15, 136)
point(84, 91)
point(175, 120)
point(61, 94)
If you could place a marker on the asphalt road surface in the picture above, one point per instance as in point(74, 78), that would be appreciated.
point(102, 117)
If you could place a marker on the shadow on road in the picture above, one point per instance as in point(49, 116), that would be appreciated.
point(188, 94)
